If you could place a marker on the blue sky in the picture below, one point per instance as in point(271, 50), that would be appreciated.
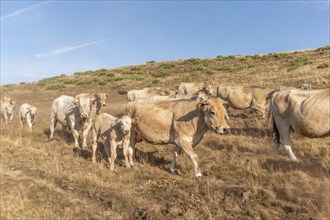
point(48, 38)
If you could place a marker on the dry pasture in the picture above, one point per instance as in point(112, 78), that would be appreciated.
point(42, 179)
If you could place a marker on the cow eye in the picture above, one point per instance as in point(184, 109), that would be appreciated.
point(212, 112)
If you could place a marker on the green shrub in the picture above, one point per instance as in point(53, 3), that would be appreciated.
point(84, 82)
point(102, 83)
point(136, 68)
point(167, 65)
point(297, 62)
point(323, 65)
point(111, 74)
point(22, 83)
point(161, 73)
point(69, 81)
point(323, 48)
point(151, 61)
point(192, 61)
point(209, 72)
point(55, 86)
point(230, 69)
point(155, 81)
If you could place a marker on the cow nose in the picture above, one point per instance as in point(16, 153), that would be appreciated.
point(126, 131)
point(226, 130)
point(84, 116)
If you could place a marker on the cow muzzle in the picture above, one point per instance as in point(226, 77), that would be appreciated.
point(222, 130)
point(126, 132)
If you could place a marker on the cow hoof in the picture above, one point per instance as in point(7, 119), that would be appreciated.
point(175, 172)
point(199, 179)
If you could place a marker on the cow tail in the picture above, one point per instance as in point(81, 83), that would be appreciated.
point(276, 132)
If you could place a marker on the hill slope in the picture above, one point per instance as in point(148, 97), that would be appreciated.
point(46, 179)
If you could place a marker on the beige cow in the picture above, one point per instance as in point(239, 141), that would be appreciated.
point(305, 112)
point(115, 132)
point(245, 97)
point(7, 108)
point(179, 122)
point(27, 113)
point(191, 88)
point(136, 94)
point(77, 113)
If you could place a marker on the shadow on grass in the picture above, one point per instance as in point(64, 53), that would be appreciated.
point(314, 169)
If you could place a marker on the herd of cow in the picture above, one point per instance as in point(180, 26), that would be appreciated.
point(181, 118)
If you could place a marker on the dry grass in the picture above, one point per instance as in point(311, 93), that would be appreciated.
point(43, 179)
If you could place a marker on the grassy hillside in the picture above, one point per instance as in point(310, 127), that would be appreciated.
point(42, 179)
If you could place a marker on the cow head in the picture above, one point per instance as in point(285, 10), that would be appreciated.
point(222, 92)
point(208, 88)
point(215, 115)
point(101, 97)
point(86, 106)
point(200, 96)
point(33, 112)
point(125, 124)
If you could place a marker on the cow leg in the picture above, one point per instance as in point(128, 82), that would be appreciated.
point(53, 122)
point(176, 153)
point(75, 135)
point(11, 117)
point(113, 147)
point(6, 118)
point(290, 153)
point(28, 121)
point(126, 149)
point(20, 119)
point(193, 157)
point(131, 146)
point(85, 134)
point(94, 146)
point(284, 137)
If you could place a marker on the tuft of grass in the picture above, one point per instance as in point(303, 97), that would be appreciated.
point(55, 86)
point(102, 82)
point(84, 82)
point(323, 65)
point(161, 74)
point(298, 62)
point(69, 81)
point(192, 61)
point(231, 68)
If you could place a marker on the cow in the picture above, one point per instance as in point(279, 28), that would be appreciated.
point(6, 109)
point(100, 99)
point(27, 113)
point(191, 88)
point(133, 95)
point(305, 112)
point(179, 122)
point(77, 113)
point(115, 132)
point(200, 95)
point(245, 97)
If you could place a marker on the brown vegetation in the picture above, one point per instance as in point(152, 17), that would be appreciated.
point(42, 179)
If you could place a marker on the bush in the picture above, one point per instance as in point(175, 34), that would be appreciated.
point(55, 86)
point(209, 72)
point(155, 81)
point(102, 83)
point(297, 62)
point(230, 69)
point(151, 61)
point(84, 82)
point(22, 83)
point(193, 61)
point(323, 48)
point(323, 65)
point(161, 73)
point(167, 65)
point(69, 81)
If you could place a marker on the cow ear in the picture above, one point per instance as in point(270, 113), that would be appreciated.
point(93, 101)
point(12, 102)
point(134, 120)
point(106, 95)
point(202, 106)
point(96, 95)
point(76, 102)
